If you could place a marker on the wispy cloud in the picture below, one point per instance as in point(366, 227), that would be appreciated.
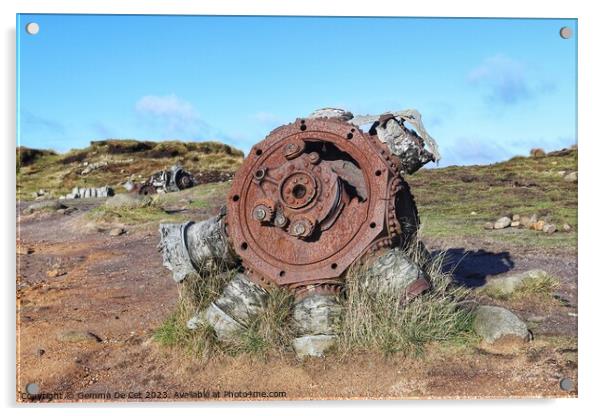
point(102, 129)
point(480, 150)
point(172, 116)
point(506, 81)
point(35, 121)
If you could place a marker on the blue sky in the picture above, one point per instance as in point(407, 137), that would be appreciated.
point(488, 89)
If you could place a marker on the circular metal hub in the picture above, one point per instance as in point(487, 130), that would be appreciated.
point(309, 200)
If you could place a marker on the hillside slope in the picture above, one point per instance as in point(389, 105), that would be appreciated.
point(456, 201)
point(113, 162)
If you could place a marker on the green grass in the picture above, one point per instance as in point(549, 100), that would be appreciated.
point(59, 173)
point(376, 322)
point(131, 216)
point(368, 324)
point(446, 198)
point(536, 289)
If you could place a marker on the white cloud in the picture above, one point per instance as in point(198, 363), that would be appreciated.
point(506, 81)
point(172, 116)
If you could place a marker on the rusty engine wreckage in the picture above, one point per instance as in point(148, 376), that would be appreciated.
point(311, 199)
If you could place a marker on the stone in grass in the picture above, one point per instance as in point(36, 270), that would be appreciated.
point(44, 205)
point(503, 222)
point(528, 221)
point(514, 223)
point(128, 201)
point(515, 218)
point(488, 226)
point(571, 177)
point(566, 228)
point(549, 228)
point(313, 345)
point(538, 225)
point(116, 231)
point(501, 330)
point(506, 285)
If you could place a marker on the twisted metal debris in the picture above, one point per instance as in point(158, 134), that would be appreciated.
point(311, 199)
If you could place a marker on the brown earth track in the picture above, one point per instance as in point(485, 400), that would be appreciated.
point(117, 288)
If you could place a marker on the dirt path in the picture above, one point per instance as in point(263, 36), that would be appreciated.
point(88, 304)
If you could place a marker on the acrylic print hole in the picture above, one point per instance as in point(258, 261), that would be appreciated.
point(32, 28)
point(566, 32)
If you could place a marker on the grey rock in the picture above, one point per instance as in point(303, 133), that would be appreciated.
point(44, 205)
point(488, 226)
point(128, 201)
point(514, 223)
point(195, 322)
point(566, 228)
point(549, 228)
point(332, 113)
point(503, 222)
point(515, 217)
point(571, 177)
point(506, 285)
point(234, 309)
point(196, 248)
point(116, 231)
point(223, 324)
point(242, 299)
point(392, 272)
point(528, 221)
point(494, 323)
point(129, 185)
point(317, 314)
point(313, 345)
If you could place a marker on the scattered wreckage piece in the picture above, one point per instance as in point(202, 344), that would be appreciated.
point(101, 192)
point(310, 200)
point(170, 180)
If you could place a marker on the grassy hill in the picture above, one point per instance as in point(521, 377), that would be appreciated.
point(456, 201)
point(112, 162)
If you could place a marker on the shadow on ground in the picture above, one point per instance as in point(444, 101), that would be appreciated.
point(470, 268)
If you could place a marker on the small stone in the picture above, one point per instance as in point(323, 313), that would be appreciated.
point(78, 336)
point(538, 226)
point(473, 213)
point(40, 352)
point(515, 218)
point(514, 223)
point(566, 228)
point(507, 284)
point(503, 222)
point(55, 273)
point(498, 327)
point(128, 201)
point(313, 345)
point(24, 250)
point(116, 231)
point(43, 205)
point(549, 228)
point(561, 172)
point(488, 226)
point(527, 222)
point(571, 177)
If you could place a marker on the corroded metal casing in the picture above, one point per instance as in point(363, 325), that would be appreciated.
point(310, 199)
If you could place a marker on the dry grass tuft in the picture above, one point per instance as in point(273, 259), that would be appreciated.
point(369, 323)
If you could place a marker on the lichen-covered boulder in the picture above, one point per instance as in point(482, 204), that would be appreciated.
point(495, 324)
point(506, 285)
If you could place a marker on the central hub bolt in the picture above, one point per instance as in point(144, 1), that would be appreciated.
point(259, 213)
